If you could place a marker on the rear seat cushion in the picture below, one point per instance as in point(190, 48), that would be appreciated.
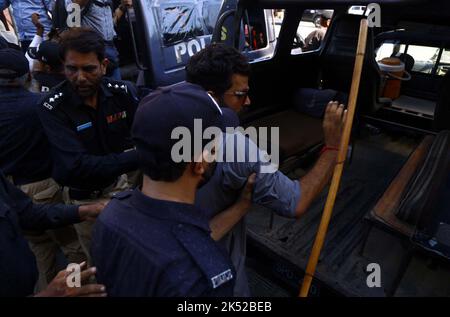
point(298, 132)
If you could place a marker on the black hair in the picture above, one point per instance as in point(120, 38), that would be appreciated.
point(163, 170)
point(213, 67)
point(82, 40)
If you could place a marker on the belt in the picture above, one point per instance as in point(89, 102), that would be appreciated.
point(83, 194)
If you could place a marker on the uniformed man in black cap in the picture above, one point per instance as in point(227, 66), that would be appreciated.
point(25, 159)
point(88, 119)
point(154, 241)
point(49, 71)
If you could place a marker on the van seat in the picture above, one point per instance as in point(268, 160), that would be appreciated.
point(298, 132)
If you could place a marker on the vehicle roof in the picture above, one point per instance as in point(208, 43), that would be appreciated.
point(422, 11)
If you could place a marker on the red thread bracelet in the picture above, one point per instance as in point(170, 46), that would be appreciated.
point(328, 148)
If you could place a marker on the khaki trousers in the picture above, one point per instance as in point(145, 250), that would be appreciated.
point(46, 244)
point(84, 229)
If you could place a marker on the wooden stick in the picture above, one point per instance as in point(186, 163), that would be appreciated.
point(326, 216)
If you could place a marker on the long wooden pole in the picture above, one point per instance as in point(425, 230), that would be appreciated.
point(326, 216)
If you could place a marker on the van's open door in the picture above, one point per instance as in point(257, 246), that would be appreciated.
point(168, 32)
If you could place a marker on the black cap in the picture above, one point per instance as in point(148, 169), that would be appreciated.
point(47, 52)
point(13, 63)
point(167, 108)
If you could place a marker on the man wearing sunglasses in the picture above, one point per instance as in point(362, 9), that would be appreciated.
point(224, 73)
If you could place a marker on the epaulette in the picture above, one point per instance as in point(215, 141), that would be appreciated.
point(52, 99)
point(116, 86)
point(122, 195)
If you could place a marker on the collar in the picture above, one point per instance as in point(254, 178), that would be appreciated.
point(170, 210)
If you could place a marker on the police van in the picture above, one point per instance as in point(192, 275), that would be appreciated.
point(390, 230)
point(166, 33)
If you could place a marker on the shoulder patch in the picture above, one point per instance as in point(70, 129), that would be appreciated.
point(122, 195)
point(207, 255)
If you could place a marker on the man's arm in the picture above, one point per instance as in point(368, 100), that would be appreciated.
point(315, 180)
point(121, 9)
point(223, 222)
point(81, 3)
point(46, 216)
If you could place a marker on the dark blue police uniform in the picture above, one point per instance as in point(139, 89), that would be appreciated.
point(24, 148)
point(18, 272)
point(89, 146)
point(147, 247)
point(143, 246)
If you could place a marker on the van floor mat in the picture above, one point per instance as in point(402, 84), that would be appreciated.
point(340, 265)
point(423, 189)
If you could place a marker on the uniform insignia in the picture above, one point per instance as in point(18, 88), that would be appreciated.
point(48, 106)
point(117, 87)
point(84, 126)
point(52, 101)
point(222, 278)
point(117, 116)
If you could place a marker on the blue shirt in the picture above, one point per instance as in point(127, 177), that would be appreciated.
point(24, 148)
point(147, 247)
point(273, 190)
point(99, 18)
point(18, 271)
point(22, 11)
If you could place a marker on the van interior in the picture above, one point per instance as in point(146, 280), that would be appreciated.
point(392, 207)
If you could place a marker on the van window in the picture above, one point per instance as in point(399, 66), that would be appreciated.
point(311, 30)
point(444, 63)
point(427, 59)
point(181, 21)
point(278, 15)
point(255, 30)
point(357, 10)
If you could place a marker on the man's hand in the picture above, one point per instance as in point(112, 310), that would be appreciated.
point(333, 123)
point(224, 221)
point(37, 23)
point(247, 191)
point(58, 286)
point(91, 211)
point(126, 4)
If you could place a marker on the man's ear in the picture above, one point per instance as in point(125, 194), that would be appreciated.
point(198, 168)
point(104, 65)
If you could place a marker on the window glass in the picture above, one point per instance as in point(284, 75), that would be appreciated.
point(255, 31)
point(311, 30)
point(183, 20)
point(425, 58)
point(444, 63)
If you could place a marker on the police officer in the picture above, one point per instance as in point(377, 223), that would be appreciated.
point(18, 272)
point(49, 71)
point(24, 157)
point(154, 241)
point(88, 120)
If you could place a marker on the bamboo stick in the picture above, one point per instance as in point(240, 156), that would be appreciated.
point(343, 148)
